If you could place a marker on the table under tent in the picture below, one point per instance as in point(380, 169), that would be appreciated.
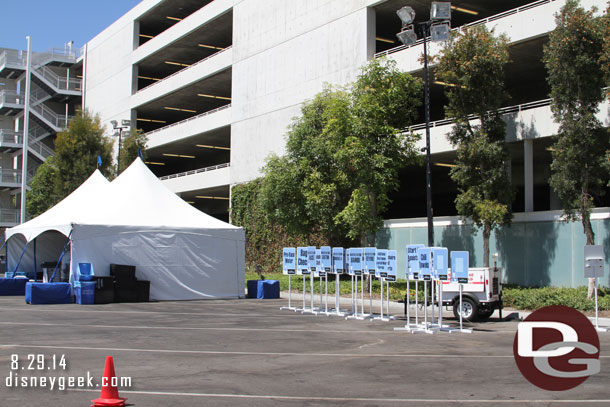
point(135, 220)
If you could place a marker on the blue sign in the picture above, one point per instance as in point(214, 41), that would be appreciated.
point(381, 263)
point(413, 261)
point(338, 260)
point(459, 267)
point(355, 261)
point(302, 261)
point(424, 254)
point(441, 258)
point(311, 252)
point(348, 268)
point(289, 260)
point(325, 259)
point(391, 267)
point(369, 260)
point(319, 272)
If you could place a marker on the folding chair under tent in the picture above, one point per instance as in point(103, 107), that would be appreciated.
point(184, 253)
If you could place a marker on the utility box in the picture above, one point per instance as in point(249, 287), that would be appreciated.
point(594, 261)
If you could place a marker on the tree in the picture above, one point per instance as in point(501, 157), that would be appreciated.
point(343, 155)
point(472, 63)
point(76, 152)
point(41, 195)
point(579, 168)
point(133, 144)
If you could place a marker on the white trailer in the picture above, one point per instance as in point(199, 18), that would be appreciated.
point(481, 295)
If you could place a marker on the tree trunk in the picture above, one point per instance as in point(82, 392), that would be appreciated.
point(588, 229)
point(486, 235)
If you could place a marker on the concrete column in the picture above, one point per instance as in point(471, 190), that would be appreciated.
point(528, 173)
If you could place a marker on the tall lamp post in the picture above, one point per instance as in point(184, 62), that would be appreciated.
point(437, 28)
point(125, 124)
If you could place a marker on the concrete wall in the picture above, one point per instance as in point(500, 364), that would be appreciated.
point(108, 67)
point(283, 54)
point(538, 249)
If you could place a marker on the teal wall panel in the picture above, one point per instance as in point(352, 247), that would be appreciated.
point(530, 253)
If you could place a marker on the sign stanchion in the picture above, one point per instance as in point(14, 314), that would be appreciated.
point(381, 264)
point(303, 270)
point(594, 268)
point(440, 267)
point(326, 263)
point(338, 268)
point(370, 254)
point(425, 267)
point(411, 272)
point(459, 274)
point(390, 277)
point(289, 268)
point(355, 266)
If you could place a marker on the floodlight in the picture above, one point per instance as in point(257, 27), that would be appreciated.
point(440, 32)
point(125, 122)
point(114, 123)
point(406, 15)
point(407, 36)
point(440, 10)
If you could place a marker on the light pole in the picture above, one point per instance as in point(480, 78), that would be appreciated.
point(125, 124)
point(438, 28)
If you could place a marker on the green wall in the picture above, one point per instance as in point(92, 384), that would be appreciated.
point(531, 253)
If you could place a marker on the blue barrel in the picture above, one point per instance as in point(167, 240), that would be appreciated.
point(85, 292)
point(85, 272)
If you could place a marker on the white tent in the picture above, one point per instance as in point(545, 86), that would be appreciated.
point(136, 220)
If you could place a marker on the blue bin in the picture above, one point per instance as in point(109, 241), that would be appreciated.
point(85, 272)
point(268, 289)
point(84, 292)
point(9, 274)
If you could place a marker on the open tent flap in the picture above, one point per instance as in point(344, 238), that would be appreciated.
point(181, 264)
point(48, 249)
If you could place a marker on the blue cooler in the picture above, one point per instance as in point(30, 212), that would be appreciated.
point(84, 292)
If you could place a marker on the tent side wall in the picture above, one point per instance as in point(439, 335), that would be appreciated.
point(48, 249)
point(181, 264)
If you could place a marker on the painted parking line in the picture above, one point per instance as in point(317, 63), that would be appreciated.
point(237, 353)
point(356, 399)
point(177, 328)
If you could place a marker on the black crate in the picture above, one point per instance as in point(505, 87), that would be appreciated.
point(104, 297)
point(104, 283)
point(125, 284)
point(143, 290)
point(125, 295)
point(121, 271)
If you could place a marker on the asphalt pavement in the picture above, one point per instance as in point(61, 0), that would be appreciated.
point(251, 353)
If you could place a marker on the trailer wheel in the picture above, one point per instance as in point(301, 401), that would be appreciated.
point(469, 309)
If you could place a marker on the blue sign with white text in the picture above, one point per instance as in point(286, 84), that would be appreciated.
point(369, 260)
point(413, 261)
point(459, 266)
point(391, 267)
point(425, 254)
point(441, 258)
point(355, 261)
point(325, 259)
point(302, 261)
point(311, 252)
point(289, 260)
point(381, 263)
point(338, 260)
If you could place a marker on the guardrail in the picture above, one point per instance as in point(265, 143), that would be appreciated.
point(478, 22)
point(503, 111)
point(13, 57)
point(10, 215)
point(59, 82)
point(187, 68)
point(10, 137)
point(58, 120)
point(193, 172)
point(8, 96)
point(218, 109)
point(10, 176)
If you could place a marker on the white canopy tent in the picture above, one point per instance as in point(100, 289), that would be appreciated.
point(136, 220)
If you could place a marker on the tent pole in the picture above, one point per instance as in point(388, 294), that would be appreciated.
point(21, 257)
point(63, 252)
point(35, 270)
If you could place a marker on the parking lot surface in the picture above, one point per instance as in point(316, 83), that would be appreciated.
point(251, 353)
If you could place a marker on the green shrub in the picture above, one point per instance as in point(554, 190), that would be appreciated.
point(534, 298)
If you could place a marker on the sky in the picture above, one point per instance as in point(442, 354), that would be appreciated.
point(53, 23)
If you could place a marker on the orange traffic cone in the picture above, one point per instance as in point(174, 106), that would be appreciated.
point(110, 393)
